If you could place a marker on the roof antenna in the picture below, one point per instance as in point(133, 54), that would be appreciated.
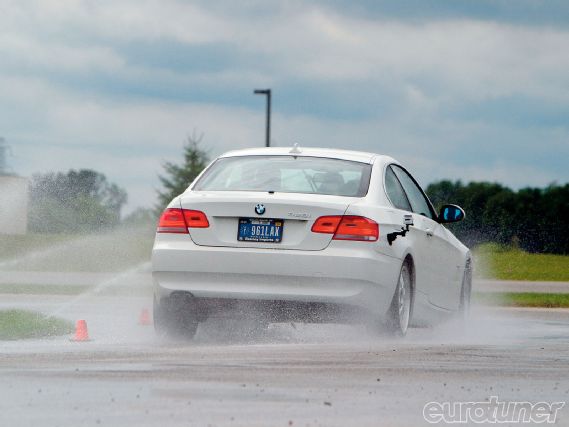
point(295, 149)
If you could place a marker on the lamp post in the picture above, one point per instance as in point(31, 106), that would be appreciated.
point(268, 93)
point(3, 157)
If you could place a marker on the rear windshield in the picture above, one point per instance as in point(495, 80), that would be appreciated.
point(287, 174)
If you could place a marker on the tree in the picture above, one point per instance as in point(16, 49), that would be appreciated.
point(179, 177)
point(76, 201)
point(534, 219)
point(555, 214)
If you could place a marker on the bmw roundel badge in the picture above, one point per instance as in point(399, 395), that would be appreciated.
point(260, 209)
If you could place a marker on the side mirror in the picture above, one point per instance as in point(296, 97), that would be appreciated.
point(451, 213)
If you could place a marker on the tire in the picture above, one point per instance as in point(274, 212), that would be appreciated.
point(173, 317)
point(399, 314)
point(465, 292)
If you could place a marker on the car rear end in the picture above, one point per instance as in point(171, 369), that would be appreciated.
point(273, 233)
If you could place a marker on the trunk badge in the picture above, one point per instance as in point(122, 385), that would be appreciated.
point(299, 215)
point(260, 209)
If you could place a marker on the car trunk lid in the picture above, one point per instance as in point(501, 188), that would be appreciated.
point(298, 212)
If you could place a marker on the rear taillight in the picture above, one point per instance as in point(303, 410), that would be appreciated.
point(357, 228)
point(172, 221)
point(347, 227)
point(326, 224)
point(195, 219)
point(175, 220)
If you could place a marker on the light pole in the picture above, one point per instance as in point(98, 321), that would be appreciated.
point(268, 93)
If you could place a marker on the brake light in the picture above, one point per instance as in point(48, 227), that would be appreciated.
point(175, 220)
point(347, 227)
point(172, 221)
point(195, 219)
point(357, 228)
point(326, 224)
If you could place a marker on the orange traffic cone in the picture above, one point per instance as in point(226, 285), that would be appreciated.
point(81, 333)
point(144, 318)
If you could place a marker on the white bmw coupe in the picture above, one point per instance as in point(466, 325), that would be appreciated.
point(311, 235)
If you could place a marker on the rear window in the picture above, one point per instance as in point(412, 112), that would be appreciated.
point(287, 174)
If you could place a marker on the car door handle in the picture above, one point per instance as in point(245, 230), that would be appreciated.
point(429, 232)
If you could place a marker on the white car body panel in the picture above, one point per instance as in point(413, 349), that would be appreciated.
point(338, 274)
point(223, 210)
point(307, 266)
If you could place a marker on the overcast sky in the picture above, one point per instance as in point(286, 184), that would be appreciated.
point(470, 90)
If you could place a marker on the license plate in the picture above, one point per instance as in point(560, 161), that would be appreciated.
point(260, 230)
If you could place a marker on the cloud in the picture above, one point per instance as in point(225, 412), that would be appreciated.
point(465, 93)
point(552, 13)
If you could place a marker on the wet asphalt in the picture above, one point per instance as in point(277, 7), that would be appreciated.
point(288, 375)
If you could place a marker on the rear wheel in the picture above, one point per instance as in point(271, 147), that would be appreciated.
point(174, 317)
point(399, 314)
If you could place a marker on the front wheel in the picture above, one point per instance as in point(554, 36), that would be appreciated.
point(465, 292)
point(399, 314)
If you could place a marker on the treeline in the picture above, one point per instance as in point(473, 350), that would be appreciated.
point(535, 219)
point(76, 201)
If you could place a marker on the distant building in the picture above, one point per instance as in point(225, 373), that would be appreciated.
point(13, 205)
point(13, 198)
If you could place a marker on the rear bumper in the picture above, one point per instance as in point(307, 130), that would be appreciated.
point(346, 274)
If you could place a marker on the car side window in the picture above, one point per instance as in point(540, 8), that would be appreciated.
point(417, 198)
point(395, 191)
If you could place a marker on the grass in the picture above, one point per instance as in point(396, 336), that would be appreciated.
point(494, 261)
point(22, 324)
point(12, 246)
point(113, 251)
point(73, 290)
point(24, 289)
point(522, 299)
